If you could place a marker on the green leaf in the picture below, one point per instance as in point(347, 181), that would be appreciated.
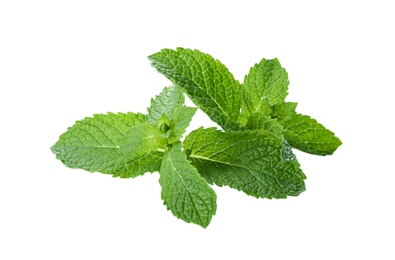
point(205, 80)
point(184, 192)
point(163, 124)
point(247, 161)
point(266, 83)
point(93, 144)
point(181, 119)
point(284, 111)
point(246, 114)
point(306, 134)
point(168, 112)
point(143, 139)
point(265, 124)
point(264, 108)
point(165, 103)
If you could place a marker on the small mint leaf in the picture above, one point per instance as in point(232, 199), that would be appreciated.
point(284, 111)
point(306, 134)
point(163, 123)
point(143, 139)
point(165, 103)
point(246, 114)
point(266, 83)
point(181, 118)
point(265, 124)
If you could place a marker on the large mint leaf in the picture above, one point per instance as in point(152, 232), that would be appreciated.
point(306, 134)
point(205, 80)
point(266, 83)
point(248, 161)
point(165, 103)
point(184, 192)
point(93, 144)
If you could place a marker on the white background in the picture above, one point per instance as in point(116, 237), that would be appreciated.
point(61, 61)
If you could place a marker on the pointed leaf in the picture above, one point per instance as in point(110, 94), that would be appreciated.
point(165, 103)
point(184, 192)
point(143, 139)
point(93, 144)
point(265, 124)
point(247, 161)
point(306, 134)
point(205, 80)
point(181, 119)
point(284, 111)
point(246, 114)
point(266, 84)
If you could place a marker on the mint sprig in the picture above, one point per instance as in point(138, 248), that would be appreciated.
point(252, 153)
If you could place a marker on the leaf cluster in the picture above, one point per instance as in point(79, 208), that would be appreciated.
point(251, 152)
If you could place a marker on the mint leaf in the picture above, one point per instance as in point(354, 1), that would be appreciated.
point(284, 111)
point(93, 144)
point(266, 84)
point(168, 112)
point(265, 124)
point(184, 192)
point(181, 119)
point(205, 80)
point(245, 114)
point(306, 134)
point(143, 139)
point(165, 103)
point(247, 161)
point(163, 123)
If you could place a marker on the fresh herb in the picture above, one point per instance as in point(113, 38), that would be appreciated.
point(252, 152)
